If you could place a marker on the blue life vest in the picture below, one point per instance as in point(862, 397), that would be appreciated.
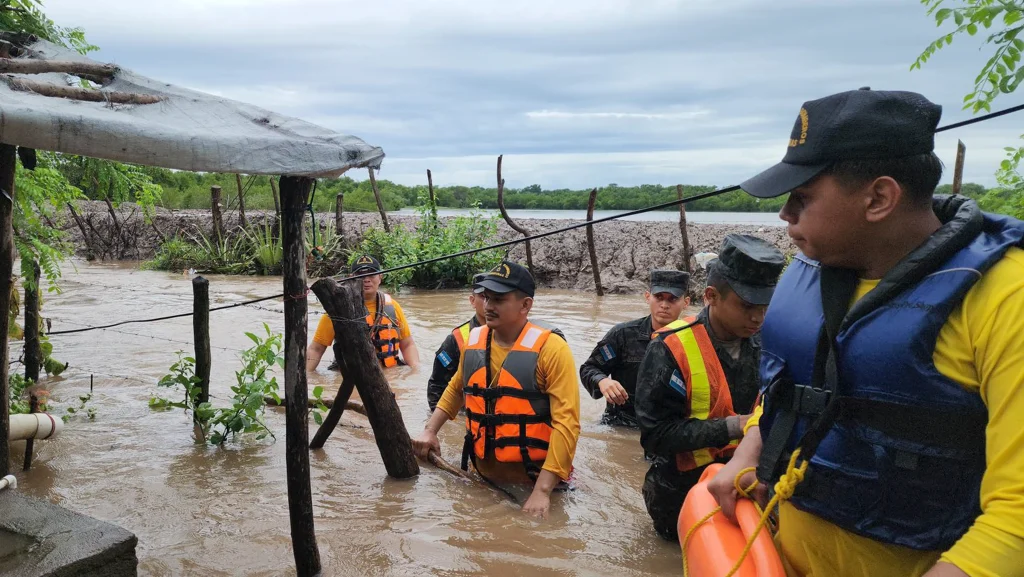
point(889, 472)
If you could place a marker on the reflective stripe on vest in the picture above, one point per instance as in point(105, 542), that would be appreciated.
point(461, 334)
point(707, 390)
point(384, 331)
point(509, 418)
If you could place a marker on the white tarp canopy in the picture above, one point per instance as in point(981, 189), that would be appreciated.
point(181, 128)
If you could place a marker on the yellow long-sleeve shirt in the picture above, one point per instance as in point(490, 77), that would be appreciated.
point(980, 348)
point(324, 334)
point(556, 376)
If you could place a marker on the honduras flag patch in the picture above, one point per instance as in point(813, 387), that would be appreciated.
point(676, 382)
point(607, 353)
point(445, 359)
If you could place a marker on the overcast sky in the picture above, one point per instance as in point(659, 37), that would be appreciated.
point(574, 93)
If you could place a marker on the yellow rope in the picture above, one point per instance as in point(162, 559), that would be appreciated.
point(783, 491)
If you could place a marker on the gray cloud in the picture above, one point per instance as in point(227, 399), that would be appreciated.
point(574, 94)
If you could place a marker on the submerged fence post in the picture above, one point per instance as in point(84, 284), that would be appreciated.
point(360, 368)
point(8, 166)
point(590, 243)
point(294, 196)
point(682, 229)
point(218, 224)
point(380, 203)
point(33, 353)
point(512, 223)
point(201, 334)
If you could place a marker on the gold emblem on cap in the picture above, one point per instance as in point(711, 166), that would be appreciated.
point(803, 129)
point(501, 270)
point(364, 260)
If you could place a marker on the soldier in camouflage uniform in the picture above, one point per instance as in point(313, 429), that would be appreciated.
point(692, 406)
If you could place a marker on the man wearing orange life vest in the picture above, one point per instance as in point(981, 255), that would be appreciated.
point(698, 380)
point(388, 328)
point(518, 383)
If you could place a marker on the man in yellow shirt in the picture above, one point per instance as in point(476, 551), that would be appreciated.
point(389, 330)
point(891, 357)
point(518, 383)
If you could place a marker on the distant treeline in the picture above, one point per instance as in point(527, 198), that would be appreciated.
point(192, 190)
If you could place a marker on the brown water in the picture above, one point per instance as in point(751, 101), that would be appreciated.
point(206, 511)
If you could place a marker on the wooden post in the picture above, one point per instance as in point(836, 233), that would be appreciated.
point(33, 353)
point(590, 243)
point(380, 203)
point(512, 223)
point(958, 170)
point(682, 229)
point(8, 167)
point(339, 212)
point(201, 335)
point(294, 196)
point(218, 225)
point(433, 201)
point(359, 365)
point(276, 231)
point(341, 402)
point(241, 200)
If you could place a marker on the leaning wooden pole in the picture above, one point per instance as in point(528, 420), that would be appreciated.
point(33, 352)
point(682, 229)
point(294, 196)
point(241, 200)
point(339, 216)
point(359, 365)
point(380, 203)
point(8, 167)
point(512, 223)
point(433, 201)
point(201, 338)
point(958, 169)
point(590, 243)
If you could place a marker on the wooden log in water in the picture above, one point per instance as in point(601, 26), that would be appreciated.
point(8, 168)
point(360, 367)
point(294, 195)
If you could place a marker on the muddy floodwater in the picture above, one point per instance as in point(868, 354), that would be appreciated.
point(208, 511)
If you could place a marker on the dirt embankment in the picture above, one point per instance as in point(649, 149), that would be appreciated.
point(626, 250)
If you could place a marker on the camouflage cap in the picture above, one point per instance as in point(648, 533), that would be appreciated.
point(674, 282)
point(751, 266)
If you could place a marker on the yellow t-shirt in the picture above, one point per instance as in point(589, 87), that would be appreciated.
point(324, 334)
point(980, 348)
point(556, 376)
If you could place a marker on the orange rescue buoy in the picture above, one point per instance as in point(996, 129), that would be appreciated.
point(716, 546)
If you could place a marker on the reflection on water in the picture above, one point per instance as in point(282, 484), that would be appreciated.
point(205, 511)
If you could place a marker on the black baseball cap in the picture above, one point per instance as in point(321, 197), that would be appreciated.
point(674, 282)
point(751, 266)
point(506, 277)
point(853, 125)
point(365, 263)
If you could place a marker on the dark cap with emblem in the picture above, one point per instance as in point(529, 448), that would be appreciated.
point(751, 266)
point(506, 277)
point(854, 125)
point(673, 282)
point(365, 263)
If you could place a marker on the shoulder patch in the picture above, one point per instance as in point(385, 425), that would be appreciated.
point(445, 358)
point(676, 382)
point(607, 353)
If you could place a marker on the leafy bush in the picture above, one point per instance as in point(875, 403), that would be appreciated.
point(430, 240)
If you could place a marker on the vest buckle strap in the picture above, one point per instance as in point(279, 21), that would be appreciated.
point(809, 401)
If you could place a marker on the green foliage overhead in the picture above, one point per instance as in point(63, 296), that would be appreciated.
point(27, 16)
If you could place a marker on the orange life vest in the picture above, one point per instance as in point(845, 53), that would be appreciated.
point(511, 418)
point(384, 330)
point(707, 391)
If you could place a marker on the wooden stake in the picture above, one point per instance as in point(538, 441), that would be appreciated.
point(333, 417)
point(958, 170)
point(512, 223)
point(294, 196)
point(241, 201)
point(201, 335)
point(433, 202)
point(218, 224)
point(590, 243)
point(359, 365)
point(682, 229)
point(380, 203)
point(33, 354)
point(276, 232)
point(339, 212)
point(8, 168)
point(33, 408)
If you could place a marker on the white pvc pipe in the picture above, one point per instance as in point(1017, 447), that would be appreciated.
point(34, 426)
point(8, 482)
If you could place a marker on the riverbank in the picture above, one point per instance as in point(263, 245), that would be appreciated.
point(626, 250)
